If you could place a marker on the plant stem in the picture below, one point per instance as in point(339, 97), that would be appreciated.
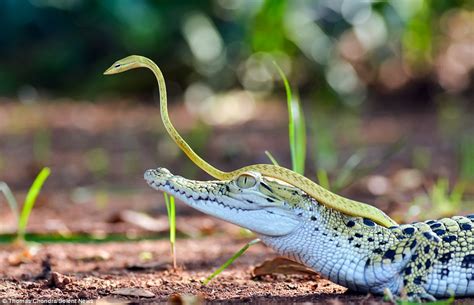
point(272, 159)
point(230, 260)
point(291, 125)
point(171, 209)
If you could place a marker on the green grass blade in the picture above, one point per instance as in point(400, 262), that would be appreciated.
point(231, 260)
point(171, 209)
point(30, 201)
point(172, 220)
point(10, 199)
point(300, 136)
point(167, 203)
point(291, 125)
point(296, 127)
point(270, 156)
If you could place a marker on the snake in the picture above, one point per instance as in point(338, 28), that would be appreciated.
point(322, 195)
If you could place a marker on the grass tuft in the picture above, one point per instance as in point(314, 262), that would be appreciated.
point(30, 200)
point(440, 200)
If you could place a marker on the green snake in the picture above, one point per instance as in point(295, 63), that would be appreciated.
point(329, 199)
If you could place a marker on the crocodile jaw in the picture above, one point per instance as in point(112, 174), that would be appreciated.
point(208, 197)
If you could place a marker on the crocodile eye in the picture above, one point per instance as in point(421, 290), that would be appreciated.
point(246, 181)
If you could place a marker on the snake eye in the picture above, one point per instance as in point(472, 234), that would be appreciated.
point(246, 181)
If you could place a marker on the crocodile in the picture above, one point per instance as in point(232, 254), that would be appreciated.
point(423, 260)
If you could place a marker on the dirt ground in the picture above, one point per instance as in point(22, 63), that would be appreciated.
point(103, 271)
point(79, 199)
point(99, 271)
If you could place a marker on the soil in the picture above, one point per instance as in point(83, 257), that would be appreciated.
point(84, 196)
point(99, 272)
point(96, 271)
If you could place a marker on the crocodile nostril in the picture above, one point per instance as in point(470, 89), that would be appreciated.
point(149, 174)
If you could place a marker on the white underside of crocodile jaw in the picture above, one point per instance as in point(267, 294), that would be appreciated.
point(261, 221)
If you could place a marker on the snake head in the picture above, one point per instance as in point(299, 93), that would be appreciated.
point(125, 64)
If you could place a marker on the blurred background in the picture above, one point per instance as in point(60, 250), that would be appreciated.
point(386, 87)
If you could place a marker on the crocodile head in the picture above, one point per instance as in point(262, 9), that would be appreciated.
point(250, 201)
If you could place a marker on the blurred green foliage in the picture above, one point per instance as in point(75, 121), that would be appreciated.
point(339, 49)
point(441, 200)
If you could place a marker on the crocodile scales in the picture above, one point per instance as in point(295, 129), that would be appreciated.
point(427, 259)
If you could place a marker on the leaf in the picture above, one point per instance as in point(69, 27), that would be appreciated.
point(272, 158)
point(30, 201)
point(230, 260)
point(281, 265)
point(296, 127)
point(300, 136)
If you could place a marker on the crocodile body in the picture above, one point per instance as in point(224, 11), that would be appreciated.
point(427, 259)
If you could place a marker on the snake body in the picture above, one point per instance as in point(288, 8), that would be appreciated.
point(329, 199)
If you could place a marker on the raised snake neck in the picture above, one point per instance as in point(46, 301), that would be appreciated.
point(329, 199)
